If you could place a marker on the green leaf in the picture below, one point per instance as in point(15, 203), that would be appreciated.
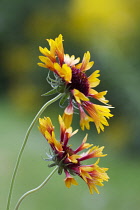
point(51, 92)
point(52, 165)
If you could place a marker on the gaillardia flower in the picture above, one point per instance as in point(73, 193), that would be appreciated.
point(71, 79)
point(69, 160)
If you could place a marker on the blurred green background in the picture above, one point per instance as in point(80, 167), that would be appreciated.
point(110, 31)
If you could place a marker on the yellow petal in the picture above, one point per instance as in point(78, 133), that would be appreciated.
point(69, 181)
point(93, 80)
point(64, 71)
point(68, 115)
point(79, 96)
point(85, 62)
point(42, 65)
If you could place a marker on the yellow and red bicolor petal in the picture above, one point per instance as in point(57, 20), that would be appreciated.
point(96, 176)
point(92, 186)
point(56, 50)
point(73, 158)
point(49, 136)
point(85, 175)
point(63, 71)
point(45, 124)
point(68, 115)
point(83, 146)
point(58, 146)
point(56, 47)
point(85, 65)
point(103, 112)
point(98, 113)
point(70, 60)
point(52, 141)
point(84, 119)
point(84, 172)
point(95, 151)
point(62, 128)
point(79, 96)
point(99, 174)
point(93, 80)
point(92, 153)
point(47, 129)
point(99, 96)
point(59, 48)
point(69, 180)
point(65, 133)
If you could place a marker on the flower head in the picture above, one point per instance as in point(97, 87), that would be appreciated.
point(71, 79)
point(69, 160)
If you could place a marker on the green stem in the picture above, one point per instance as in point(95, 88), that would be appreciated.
point(24, 143)
point(35, 189)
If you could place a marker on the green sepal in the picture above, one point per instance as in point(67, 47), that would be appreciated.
point(60, 170)
point(51, 92)
point(61, 88)
point(52, 165)
point(63, 99)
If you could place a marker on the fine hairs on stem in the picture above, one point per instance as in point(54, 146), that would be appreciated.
point(24, 144)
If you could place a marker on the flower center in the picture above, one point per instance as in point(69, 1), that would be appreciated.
point(79, 81)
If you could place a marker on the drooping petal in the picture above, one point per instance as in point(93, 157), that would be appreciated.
point(84, 119)
point(79, 96)
point(93, 176)
point(69, 180)
point(85, 174)
point(68, 115)
point(98, 113)
point(99, 96)
point(69, 161)
point(92, 187)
